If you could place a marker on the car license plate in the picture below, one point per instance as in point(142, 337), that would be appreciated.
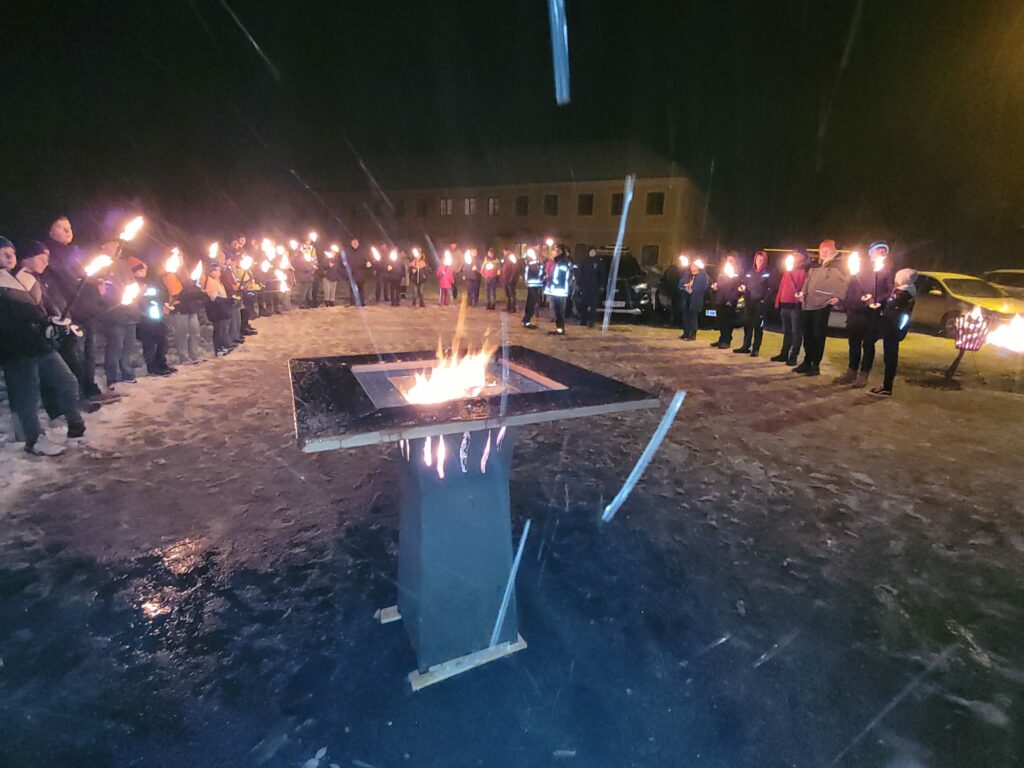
point(615, 304)
point(711, 312)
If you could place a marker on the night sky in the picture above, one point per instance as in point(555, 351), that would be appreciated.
point(918, 138)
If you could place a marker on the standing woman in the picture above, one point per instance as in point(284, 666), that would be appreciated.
point(787, 301)
point(418, 274)
point(727, 294)
point(510, 282)
point(218, 310)
point(445, 280)
point(692, 288)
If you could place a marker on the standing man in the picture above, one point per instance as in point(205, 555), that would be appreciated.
point(395, 274)
point(489, 272)
point(788, 304)
point(62, 279)
point(756, 287)
point(471, 276)
point(303, 262)
point(510, 282)
point(727, 294)
point(27, 355)
point(863, 304)
point(330, 274)
point(896, 312)
point(558, 285)
point(418, 274)
point(824, 288)
point(589, 280)
point(534, 279)
point(692, 288)
point(119, 322)
point(362, 268)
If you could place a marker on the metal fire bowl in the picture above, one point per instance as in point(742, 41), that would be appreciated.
point(350, 400)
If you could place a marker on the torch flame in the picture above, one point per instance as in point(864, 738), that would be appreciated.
point(313, 236)
point(790, 262)
point(335, 248)
point(699, 263)
point(512, 258)
point(416, 252)
point(267, 247)
point(549, 242)
point(282, 280)
point(467, 256)
point(100, 262)
point(447, 258)
point(214, 249)
point(196, 273)
point(531, 254)
point(293, 244)
point(285, 262)
point(878, 263)
point(265, 265)
point(245, 262)
point(131, 229)
point(280, 251)
point(1009, 336)
point(130, 294)
point(853, 263)
point(173, 263)
point(729, 269)
point(684, 260)
point(393, 255)
point(375, 252)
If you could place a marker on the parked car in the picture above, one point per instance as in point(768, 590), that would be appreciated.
point(633, 287)
point(943, 296)
point(1009, 281)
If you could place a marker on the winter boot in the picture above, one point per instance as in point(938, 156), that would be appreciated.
point(861, 380)
point(846, 378)
point(44, 446)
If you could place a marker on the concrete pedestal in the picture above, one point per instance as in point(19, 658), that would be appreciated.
point(455, 544)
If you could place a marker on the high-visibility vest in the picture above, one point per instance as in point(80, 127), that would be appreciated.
point(534, 276)
point(558, 283)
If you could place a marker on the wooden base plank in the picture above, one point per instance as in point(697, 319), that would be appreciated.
point(465, 663)
point(387, 615)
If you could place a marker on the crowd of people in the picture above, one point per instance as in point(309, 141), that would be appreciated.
point(805, 289)
point(58, 307)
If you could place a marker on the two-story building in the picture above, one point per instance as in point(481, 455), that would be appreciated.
point(520, 197)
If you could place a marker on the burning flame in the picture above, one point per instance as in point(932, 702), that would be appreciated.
point(1009, 336)
point(416, 252)
point(245, 262)
point(699, 263)
point(214, 250)
point(375, 252)
point(453, 378)
point(313, 236)
point(173, 263)
point(684, 261)
point(265, 265)
point(267, 247)
point(131, 229)
point(549, 242)
point(293, 244)
point(100, 262)
point(282, 279)
point(531, 254)
point(196, 273)
point(467, 256)
point(447, 258)
point(393, 255)
point(130, 294)
point(512, 258)
point(285, 262)
point(335, 248)
point(729, 269)
point(790, 262)
point(853, 263)
point(878, 263)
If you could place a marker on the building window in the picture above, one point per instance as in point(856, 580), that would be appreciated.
point(649, 255)
point(421, 208)
point(585, 204)
point(655, 203)
point(400, 208)
point(522, 205)
point(469, 206)
point(550, 205)
point(493, 206)
point(616, 203)
point(445, 207)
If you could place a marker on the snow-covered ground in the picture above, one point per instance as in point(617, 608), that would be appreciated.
point(804, 576)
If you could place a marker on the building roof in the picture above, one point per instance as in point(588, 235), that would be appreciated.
point(524, 165)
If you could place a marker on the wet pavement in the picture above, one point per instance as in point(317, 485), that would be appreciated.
point(804, 576)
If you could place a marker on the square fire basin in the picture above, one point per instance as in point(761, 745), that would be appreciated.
point(352, 400)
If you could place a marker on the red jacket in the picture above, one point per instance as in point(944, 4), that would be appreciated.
point(790, 285)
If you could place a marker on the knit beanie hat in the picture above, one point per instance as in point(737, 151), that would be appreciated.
point(906, 280)
point(31, 248)
point(5, 242)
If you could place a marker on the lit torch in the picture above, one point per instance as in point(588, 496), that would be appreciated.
point(196, 273)
point(293, 244)
point(173, 263)
point(1009, 336)
point(282, 280)
point(313, 237)
point(684, 260)
point(245, 263)
point(335, 248)
point(729, 269)
point(375, 252)
point(853, 263)
point(214, 250)
point(98, 263)
point(265, 265)
point(790, 262)
point(131, 229)
point(130, 294)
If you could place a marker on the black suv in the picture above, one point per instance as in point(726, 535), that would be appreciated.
point(633, 289)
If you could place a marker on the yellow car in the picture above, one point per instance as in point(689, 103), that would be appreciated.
point(942, 296)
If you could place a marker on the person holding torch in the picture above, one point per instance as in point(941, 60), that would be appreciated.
point(864, 296)
point(823, 290)
point(787, 302)
point(727, 295)
point(186, 302)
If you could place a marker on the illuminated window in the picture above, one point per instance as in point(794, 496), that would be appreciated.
point(469, 206)
point(445, 207)
point(493, 206)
